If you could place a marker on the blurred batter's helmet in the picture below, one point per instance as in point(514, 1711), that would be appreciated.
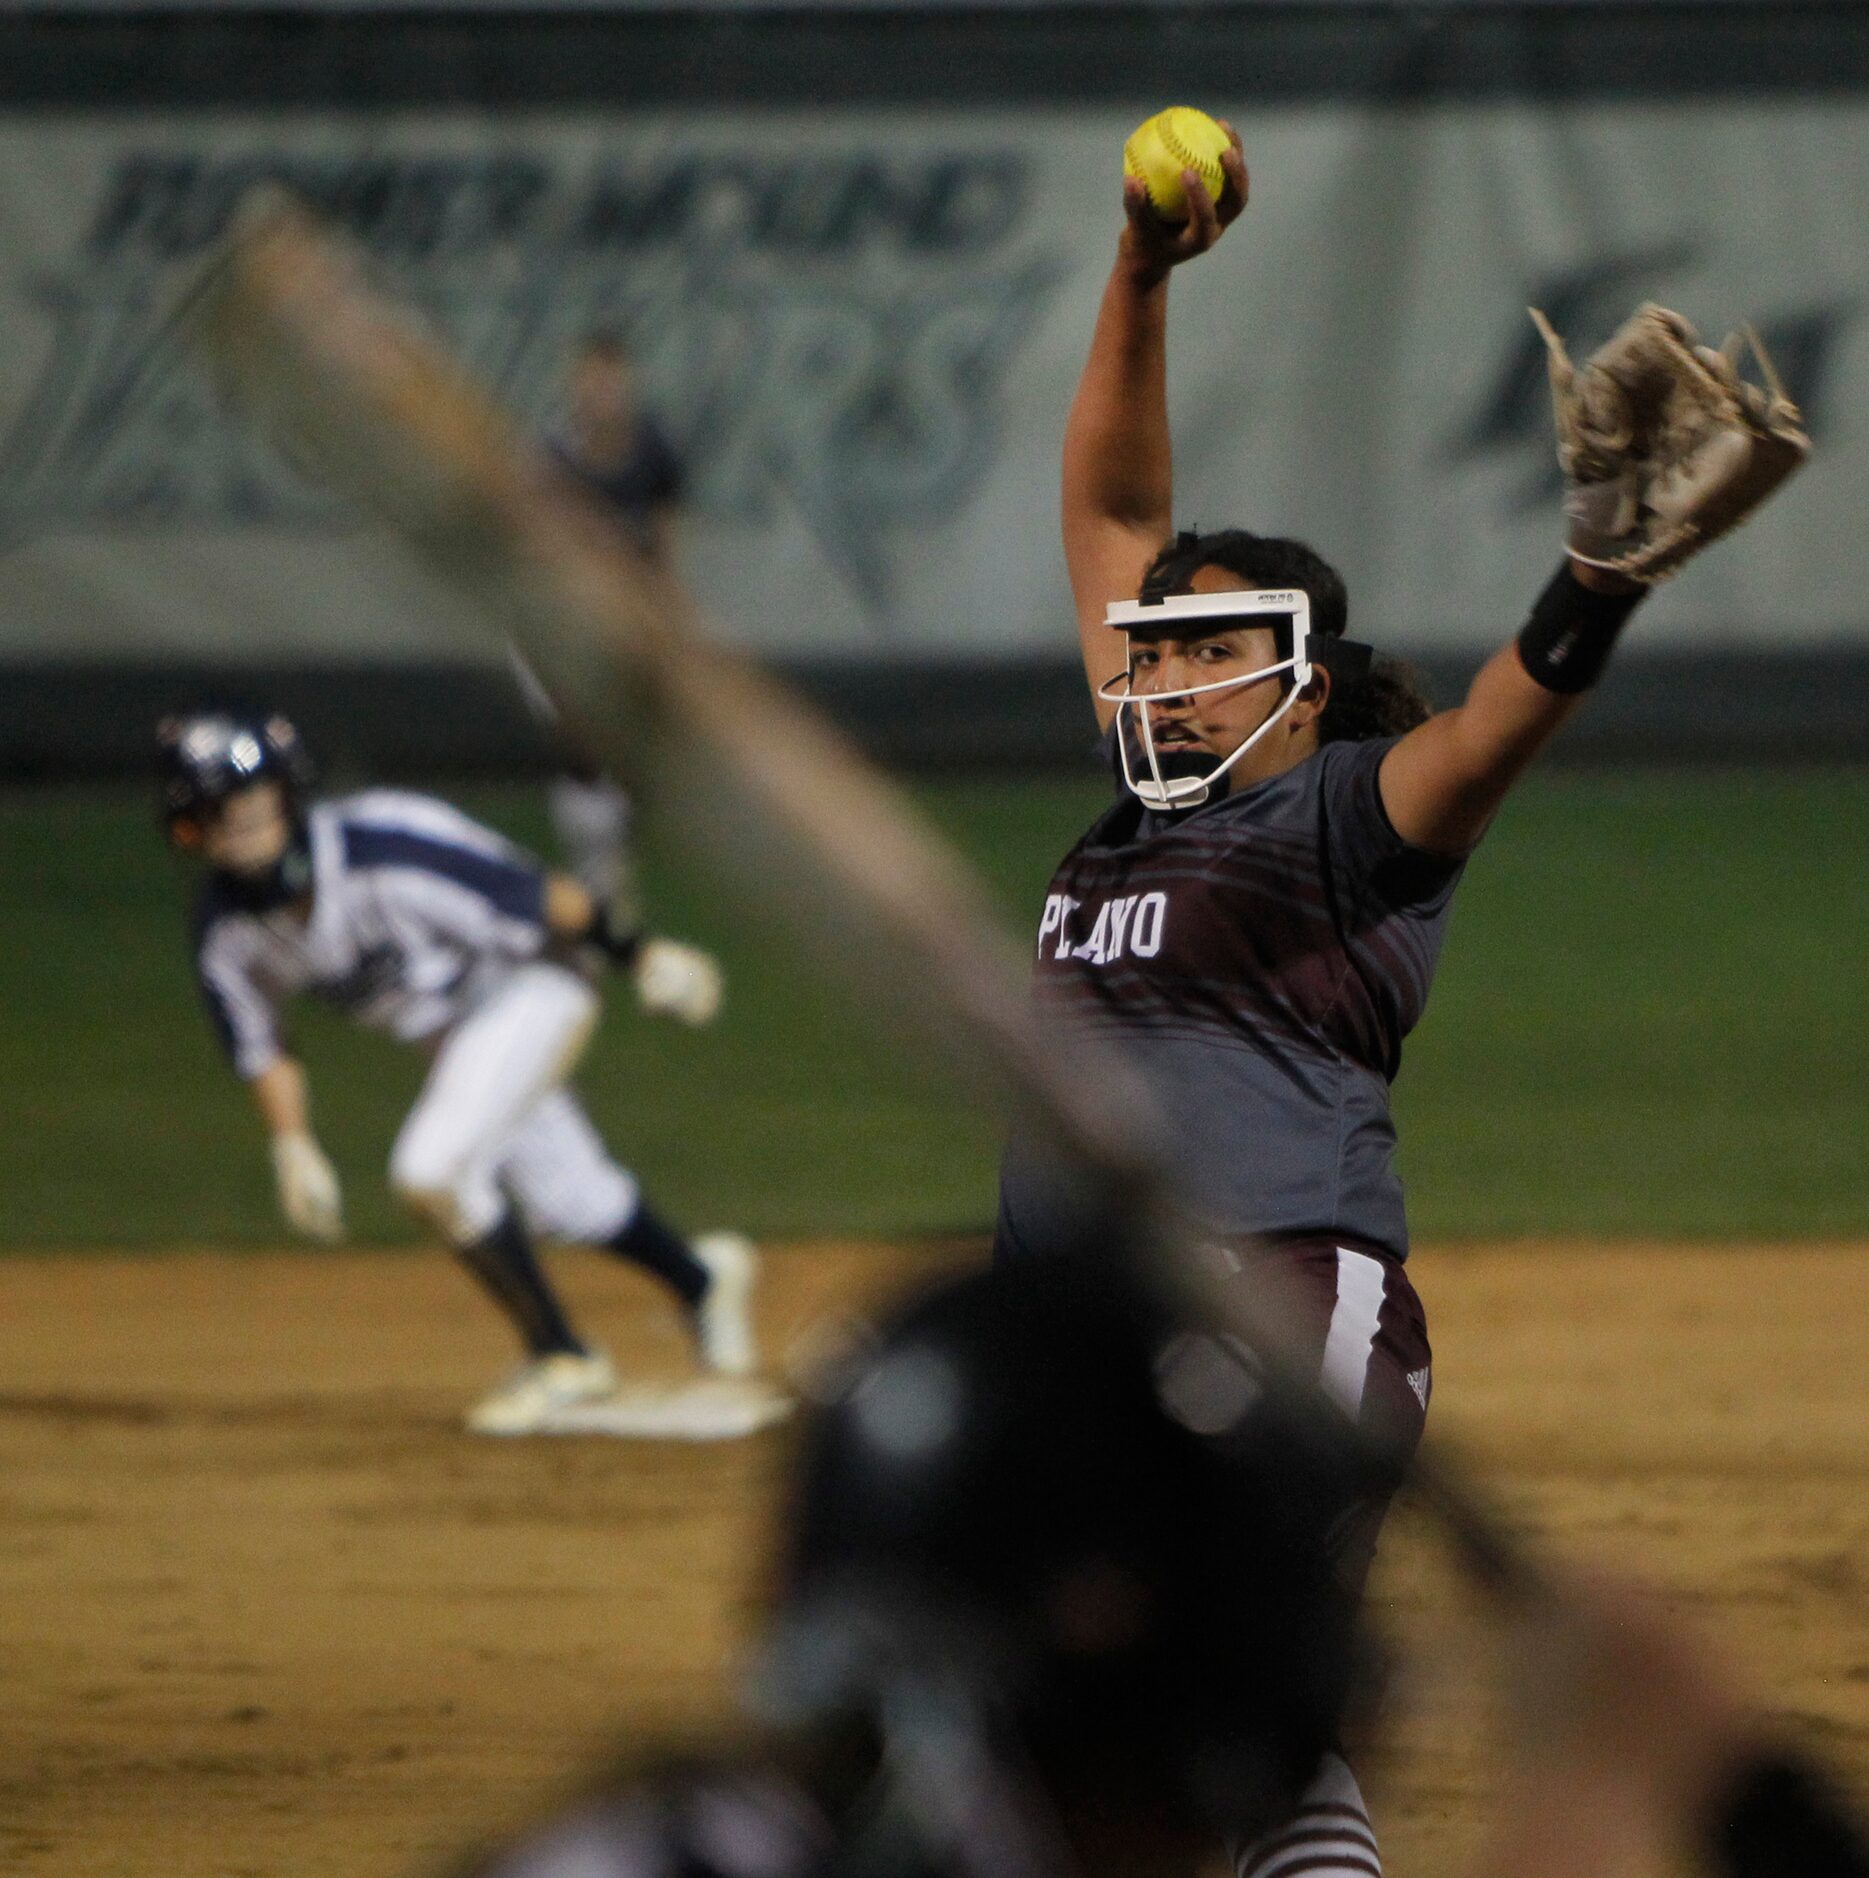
point(204, 759)
point(1043, 1489)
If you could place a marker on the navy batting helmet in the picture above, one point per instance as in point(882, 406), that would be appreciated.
point(1043, 1485)
point(204, 759)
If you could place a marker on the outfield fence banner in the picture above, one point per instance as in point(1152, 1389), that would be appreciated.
point(862, 329)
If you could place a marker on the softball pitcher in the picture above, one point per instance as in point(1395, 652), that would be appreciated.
point(1256, 919)
point(413, 919)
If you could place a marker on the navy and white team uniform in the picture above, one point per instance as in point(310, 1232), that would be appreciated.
point(1259, 960)
point(425, 925)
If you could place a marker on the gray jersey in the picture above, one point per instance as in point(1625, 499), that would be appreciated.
point(1260, 960)
point(416, 913)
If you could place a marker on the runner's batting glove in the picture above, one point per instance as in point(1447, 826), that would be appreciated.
point(309, 1195)
point(1663, 445)
point(676, 980)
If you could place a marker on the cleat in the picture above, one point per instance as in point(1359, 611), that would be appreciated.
point(723, 1320)
point(528, 1400)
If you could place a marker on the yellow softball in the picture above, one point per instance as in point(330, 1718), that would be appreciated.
point(1180, 138)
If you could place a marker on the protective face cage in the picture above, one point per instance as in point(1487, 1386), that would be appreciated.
point(1189, 615)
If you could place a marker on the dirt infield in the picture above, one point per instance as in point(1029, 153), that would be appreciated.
point(268, 1612)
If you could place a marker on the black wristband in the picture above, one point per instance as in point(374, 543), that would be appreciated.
point(1780, 1818)
point(620, 948)
point(1568, 639)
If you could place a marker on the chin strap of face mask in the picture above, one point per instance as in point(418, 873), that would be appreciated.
point(1159, 790)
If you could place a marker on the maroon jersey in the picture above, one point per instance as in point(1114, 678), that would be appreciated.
point(1260, 959)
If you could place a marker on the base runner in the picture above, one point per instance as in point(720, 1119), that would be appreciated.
point(411, 918)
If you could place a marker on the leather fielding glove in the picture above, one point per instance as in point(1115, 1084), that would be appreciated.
point(1663, 445)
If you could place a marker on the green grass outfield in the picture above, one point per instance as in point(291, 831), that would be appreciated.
point(1650, 1021)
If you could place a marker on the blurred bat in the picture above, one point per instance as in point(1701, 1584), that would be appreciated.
point(362, 397)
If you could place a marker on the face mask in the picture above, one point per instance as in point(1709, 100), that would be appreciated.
point(1184, 779)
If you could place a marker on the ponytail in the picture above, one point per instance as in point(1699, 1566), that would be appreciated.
point(1384, 701)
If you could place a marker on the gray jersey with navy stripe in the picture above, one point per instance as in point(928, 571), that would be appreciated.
point(416, 913)
point(1260, 959)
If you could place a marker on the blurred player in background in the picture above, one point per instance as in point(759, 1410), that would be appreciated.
point(410, 918)
point(615, 448)
point(1054, 1603)
point(1053, 1597)
point(616, 452)
point(1256, 920)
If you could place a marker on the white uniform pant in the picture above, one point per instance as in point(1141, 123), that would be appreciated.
point(494, 1120)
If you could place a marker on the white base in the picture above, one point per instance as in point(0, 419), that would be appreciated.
point(712, 1408)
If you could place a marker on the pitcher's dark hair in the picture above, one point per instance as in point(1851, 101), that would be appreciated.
point(1384, 701)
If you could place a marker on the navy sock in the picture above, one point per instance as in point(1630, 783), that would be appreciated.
point(651, 1242)
point(506, 1265)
